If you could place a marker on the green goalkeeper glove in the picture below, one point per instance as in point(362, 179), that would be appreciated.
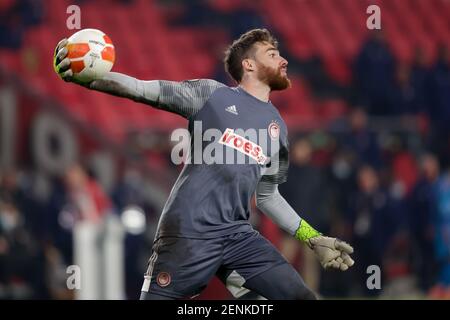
point(61, 63)
point(331, 252)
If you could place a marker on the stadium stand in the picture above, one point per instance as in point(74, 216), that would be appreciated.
point(373, 106)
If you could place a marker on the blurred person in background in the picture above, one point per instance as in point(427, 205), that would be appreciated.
point(31, 194)
point(131, 191)
point(370, 214)
point(79, 199)
point(85, 195)
point(360, 140)
point(373, 73)
point(28, 233)
point(22, 261)
point(422, 207)
point(442, 237)
point(306, 191)
point(15, 17)
point(440, 105)
point(420, 78)
point(402, 94)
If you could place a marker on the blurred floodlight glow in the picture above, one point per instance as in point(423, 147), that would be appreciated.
point(133, 219)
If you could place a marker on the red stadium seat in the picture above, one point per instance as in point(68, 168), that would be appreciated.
point(147, 47)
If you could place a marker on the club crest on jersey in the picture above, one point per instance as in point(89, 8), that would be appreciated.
point(274, 130)
point(243, 145)
point(163, 279)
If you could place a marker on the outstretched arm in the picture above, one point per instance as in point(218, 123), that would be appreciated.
point(184, 98)
point(331, 252)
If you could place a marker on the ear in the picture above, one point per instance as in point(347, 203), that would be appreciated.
point(248, 64)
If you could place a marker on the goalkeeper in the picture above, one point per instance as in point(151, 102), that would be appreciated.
point(204, 229)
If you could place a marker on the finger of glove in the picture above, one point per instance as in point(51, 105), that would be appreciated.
point(343, 267)
point(339, 260)
point(332, 264)
point(64, 65)
point(61, 44)
point(343, 246)
point(62, 53)
point(347, 259)
point(67, 75)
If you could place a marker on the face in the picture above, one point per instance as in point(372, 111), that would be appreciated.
point(367, 179)
point(358, 120)
point(75, 178)
point(302, 152)
point(430, 167)
point(270, 67)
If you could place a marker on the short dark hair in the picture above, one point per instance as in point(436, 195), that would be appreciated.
point(240, 49)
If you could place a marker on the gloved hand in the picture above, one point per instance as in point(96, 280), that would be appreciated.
point(331, 252)
point(61, 64)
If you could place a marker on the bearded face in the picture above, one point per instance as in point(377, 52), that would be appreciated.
point(275, 78)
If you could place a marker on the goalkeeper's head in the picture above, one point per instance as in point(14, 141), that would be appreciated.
point(255, 57)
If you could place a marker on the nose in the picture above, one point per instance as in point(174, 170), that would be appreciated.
point(284, 62)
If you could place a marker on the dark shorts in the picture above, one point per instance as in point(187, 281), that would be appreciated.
point(182, 267)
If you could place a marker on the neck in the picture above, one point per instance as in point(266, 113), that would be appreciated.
point(257, 89)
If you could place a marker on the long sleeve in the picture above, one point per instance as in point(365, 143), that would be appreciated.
point(272, 203)
point(184, 98)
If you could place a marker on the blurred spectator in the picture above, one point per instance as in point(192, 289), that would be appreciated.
point(85, 195)
point(197, 12)
point(372, 214)
point(360, 140)
point(306, 192)
point(403, 167)
point(399, 281)
point(402, 94)
point(56, 275)
point(420, 77)
point(80, 197)
point(442, 234)
point(29, 193)
point(15, 17)
point(131, 192)
point(9, 186)
point(440, 95)
point(26, 234)
point(421, 209)
point(235, 19)
point(373, 74)
point(305, 189)
point(440, 106)
point(22, 262)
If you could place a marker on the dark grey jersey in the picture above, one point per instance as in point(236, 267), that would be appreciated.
point(213, 198)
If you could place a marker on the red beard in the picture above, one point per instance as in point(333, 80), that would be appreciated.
point(273, 78)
